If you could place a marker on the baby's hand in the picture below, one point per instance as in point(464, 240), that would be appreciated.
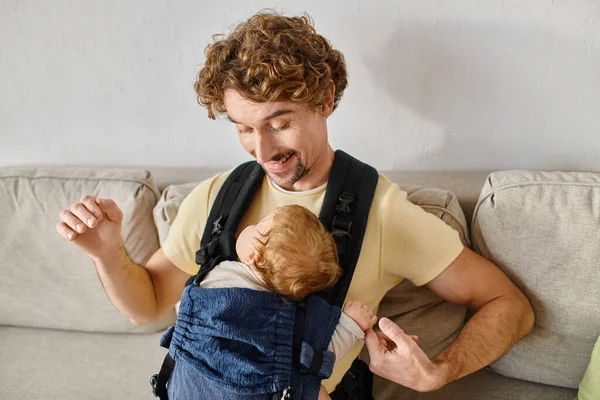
point(361, 314)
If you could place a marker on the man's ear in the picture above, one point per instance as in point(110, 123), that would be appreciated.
point(327, 106)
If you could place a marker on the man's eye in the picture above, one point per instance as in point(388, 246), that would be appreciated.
point(245, 130)
point(282, 127)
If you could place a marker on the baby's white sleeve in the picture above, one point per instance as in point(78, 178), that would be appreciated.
point(347, 333)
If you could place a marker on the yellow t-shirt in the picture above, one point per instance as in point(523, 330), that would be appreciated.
point(402, 241)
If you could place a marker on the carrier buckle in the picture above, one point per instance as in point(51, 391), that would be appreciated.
point(288, 393)
point(154, 384)
point(346, 200)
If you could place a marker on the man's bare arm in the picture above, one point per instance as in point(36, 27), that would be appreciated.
point(143, 293)
point(503, 317)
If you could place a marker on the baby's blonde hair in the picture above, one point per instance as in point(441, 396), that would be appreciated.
point(298, 256)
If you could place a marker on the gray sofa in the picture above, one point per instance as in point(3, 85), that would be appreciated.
point(61, 338)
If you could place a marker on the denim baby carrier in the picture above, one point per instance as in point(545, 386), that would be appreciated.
point(235, 343)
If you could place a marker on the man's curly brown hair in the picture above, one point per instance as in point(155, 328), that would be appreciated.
point(271, 58)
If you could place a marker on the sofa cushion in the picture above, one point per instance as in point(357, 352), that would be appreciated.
point(417, 309)
point(46, 281)
point(542, 230)
point(51, 364)
point(168, 205)
point(481, 385)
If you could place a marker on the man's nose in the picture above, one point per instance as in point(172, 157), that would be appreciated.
point(264, 147)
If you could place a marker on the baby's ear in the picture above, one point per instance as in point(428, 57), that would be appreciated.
point(255, 259)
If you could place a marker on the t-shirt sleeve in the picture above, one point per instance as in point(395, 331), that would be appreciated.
point(186, 231)
point(416, 245)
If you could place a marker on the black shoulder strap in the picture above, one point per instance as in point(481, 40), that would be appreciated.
point(227, 211)
point(345, 210)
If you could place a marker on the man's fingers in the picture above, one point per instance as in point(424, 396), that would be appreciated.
point(110, 209)
point(72, 221)
point(66, 232)
point(386, 342)
point(390, 342)
point(84, 215)
point(90, 203)
point(392, 331)
point(373, 344)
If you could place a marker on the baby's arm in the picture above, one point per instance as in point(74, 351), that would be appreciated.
point(354, 320)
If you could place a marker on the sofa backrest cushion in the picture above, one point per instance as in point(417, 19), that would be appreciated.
point(45, 281)
point(543, 230)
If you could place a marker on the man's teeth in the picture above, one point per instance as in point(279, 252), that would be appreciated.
point(283, 160)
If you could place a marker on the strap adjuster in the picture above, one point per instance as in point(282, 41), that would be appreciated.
point(206, 252)
point(319, 363)
point(341, 224)
point(217, 225)
point(346, 200)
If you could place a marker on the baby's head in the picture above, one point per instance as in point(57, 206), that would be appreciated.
point(291, 251)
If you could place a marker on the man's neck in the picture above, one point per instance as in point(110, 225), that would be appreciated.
point(318, 175)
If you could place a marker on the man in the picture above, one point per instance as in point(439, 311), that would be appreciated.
point(278, 81)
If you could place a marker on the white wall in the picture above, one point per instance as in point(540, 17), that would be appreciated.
point(452, 84)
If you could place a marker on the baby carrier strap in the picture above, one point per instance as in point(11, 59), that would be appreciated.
point(316, 320)
point(345, 210)
point(234, 198)
point(217, 244)
point(351, 188)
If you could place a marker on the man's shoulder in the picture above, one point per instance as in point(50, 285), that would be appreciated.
point(384, 182)
point(209, 188)
point(387, 191)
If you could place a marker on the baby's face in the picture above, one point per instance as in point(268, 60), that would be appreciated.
point(244, 246)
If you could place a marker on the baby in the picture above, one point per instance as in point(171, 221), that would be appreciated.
point(290, 252)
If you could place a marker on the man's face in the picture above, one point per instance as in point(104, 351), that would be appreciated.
point(288, 140)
